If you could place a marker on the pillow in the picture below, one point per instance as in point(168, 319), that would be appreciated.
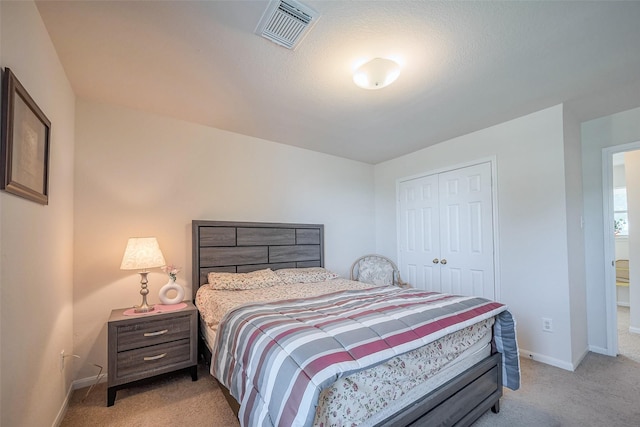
point(375, 272)
point(243, 281)
point(305, 275)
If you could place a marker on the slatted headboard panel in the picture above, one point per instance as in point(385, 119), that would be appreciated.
point(240, 247)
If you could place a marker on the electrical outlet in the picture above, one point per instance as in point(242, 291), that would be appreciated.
point(547, 324)
point(62, 361)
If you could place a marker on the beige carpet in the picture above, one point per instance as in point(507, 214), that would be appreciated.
point(173, 400)
point(628, 343)
point(603, 391)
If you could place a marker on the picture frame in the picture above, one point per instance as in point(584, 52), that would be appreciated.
point(24, 143)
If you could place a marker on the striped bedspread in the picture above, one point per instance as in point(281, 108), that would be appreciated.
point(275, 358)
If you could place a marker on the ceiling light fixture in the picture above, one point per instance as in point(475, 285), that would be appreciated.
point(377, 73)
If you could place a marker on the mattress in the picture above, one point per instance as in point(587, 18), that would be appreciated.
point(365, 397)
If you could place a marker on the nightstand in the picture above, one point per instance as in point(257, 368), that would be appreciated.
point(146, 345)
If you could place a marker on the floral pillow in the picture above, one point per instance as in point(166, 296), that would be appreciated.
point(243, 281)
point(375, 273)
point(305, 275)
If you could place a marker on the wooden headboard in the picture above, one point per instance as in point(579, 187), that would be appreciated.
point(241, 247)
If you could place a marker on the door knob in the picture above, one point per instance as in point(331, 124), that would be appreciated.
point(436, 260)
point(443, 261)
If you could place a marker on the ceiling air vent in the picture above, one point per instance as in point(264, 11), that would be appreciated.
point(286, 22)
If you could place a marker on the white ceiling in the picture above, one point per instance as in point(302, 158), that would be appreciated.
point(465, 66)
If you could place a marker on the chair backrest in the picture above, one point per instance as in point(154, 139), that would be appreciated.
point(377, 270)
point(622, 270)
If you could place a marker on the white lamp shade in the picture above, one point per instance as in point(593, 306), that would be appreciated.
point(142, 253)
point(376, 74)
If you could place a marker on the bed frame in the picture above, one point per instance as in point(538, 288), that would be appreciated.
point(240, 247)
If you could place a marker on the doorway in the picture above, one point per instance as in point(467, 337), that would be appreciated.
point(622, 302)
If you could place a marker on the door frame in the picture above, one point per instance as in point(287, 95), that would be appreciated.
point(610, 243)
point(492, 160)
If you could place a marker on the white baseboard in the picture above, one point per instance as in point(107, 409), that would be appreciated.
point(89, 381)
point(81, 383)
point(634, 330)
point(63, 408)
point(599, 350)
point(623, 304)
point(546, 359)
point(579, 360)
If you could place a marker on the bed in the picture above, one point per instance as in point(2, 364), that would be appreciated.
point(456, 393)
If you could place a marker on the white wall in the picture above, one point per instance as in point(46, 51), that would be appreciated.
point(532, 214)
point(617, 129)
point(622, 247)
point(619, 179)
point(575, 237)
point(36, 250)
point(138, 174)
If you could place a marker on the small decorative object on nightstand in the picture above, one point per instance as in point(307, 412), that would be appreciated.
point(151, 344)
point(163, 296)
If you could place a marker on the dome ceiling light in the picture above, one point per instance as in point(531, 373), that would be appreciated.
point(377, 73)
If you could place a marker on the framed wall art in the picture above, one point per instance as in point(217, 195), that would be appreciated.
point(24, 154)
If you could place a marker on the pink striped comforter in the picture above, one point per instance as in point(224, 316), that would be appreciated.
point(275, 358)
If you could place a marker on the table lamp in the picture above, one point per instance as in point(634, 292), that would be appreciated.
point(142, 253)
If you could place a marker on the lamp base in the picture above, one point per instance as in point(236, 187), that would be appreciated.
point(144, 307)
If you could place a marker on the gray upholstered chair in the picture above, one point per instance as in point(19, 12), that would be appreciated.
point(622, 272)
point(377, 270)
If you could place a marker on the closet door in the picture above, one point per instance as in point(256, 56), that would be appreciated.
point(446, 232)
point(419, 236)
point(466, 231)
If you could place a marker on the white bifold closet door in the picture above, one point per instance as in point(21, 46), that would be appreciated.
point(446, 231)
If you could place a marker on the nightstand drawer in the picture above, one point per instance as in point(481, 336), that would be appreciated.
point(145, 360)
point(152, 332)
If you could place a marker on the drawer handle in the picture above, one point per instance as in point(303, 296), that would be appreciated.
point(155, 334)
point(150, 358)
